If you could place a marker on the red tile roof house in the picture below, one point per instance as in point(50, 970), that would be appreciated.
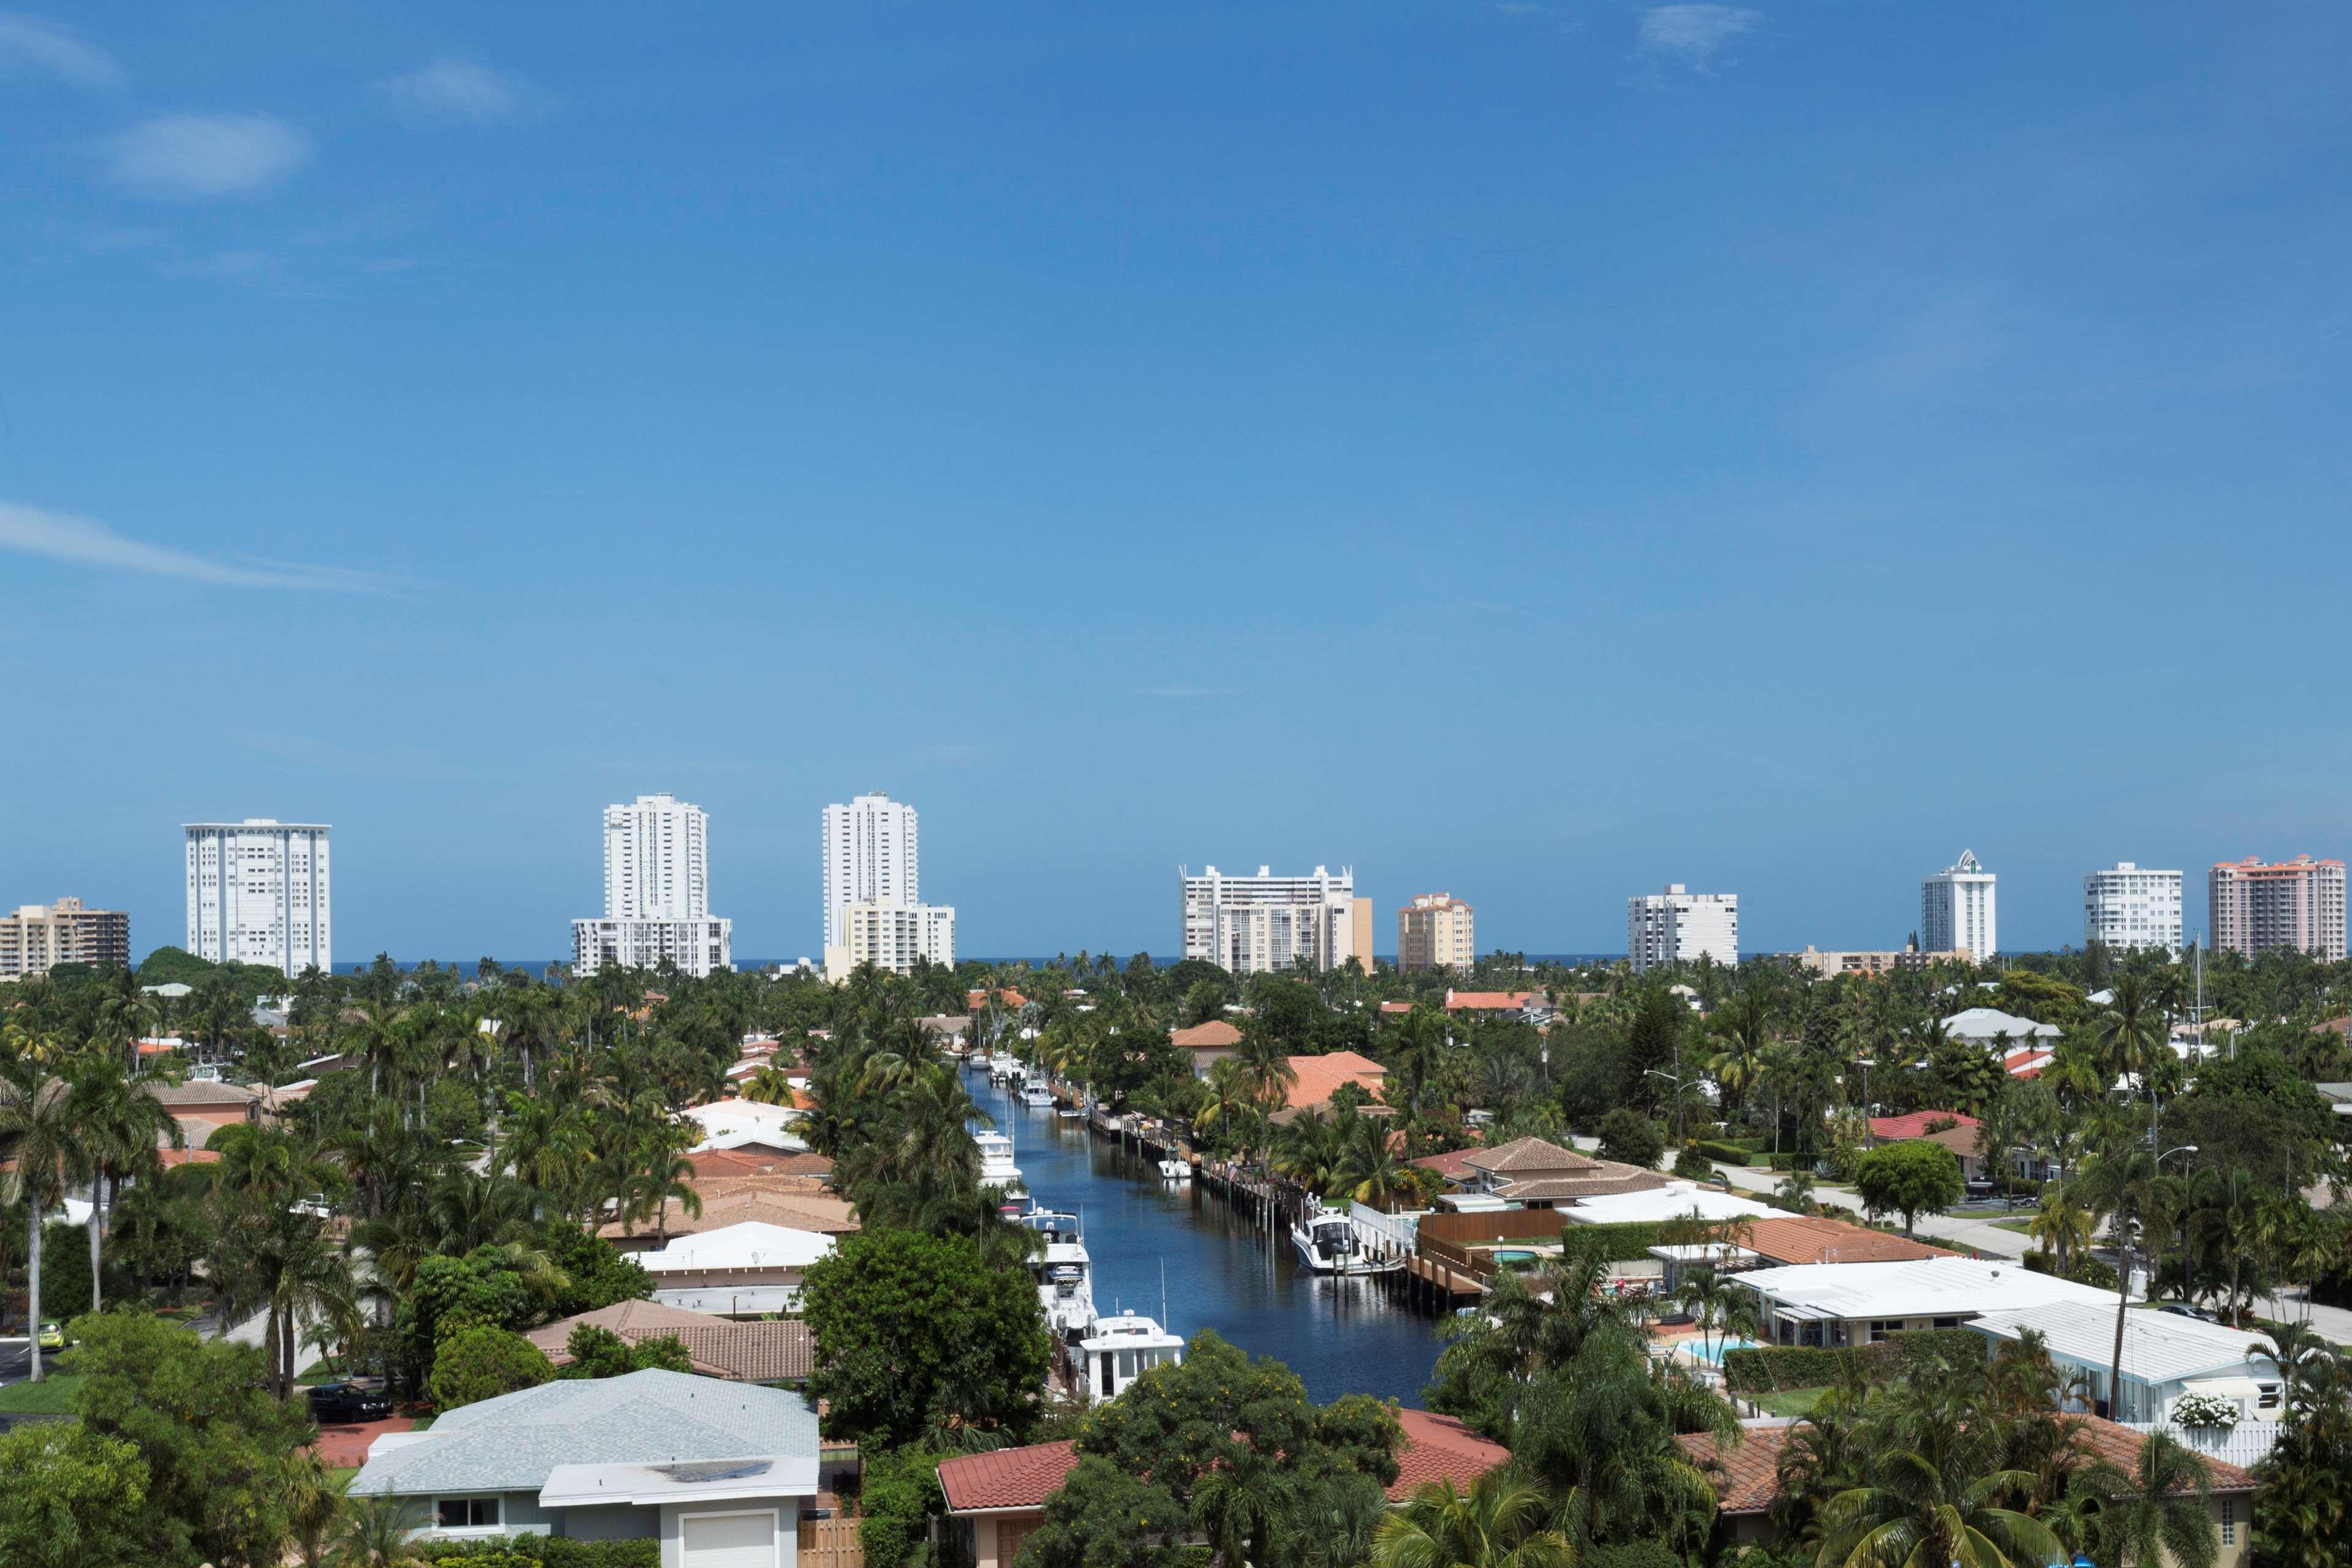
point(1747, 1482)
point(1530, 1172)
point(1961, 1138)
point(1003, 1496)
point(1210, 1042)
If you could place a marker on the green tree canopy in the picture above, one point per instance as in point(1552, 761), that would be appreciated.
point(912, 1329)
point(477, 1362)
point(1908, 1177)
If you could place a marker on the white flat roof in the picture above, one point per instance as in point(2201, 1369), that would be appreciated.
point(1923, 1287)
point(1675, 1201)
point(755, 1243)
point(2158, 1347)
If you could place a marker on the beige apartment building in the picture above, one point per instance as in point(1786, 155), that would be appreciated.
point(36, 939)
point(1436, 931)
point(2296, 903)
point(1873, 964)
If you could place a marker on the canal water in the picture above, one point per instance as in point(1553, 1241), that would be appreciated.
point(1217, 1269)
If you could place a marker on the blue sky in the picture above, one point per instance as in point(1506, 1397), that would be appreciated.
point(1535, 452)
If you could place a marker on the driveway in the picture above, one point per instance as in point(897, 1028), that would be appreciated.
point(344, 1446)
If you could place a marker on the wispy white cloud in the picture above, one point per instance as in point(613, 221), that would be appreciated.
point(34, 43)
point(59, 536)
point(1180, 691)
point(464, 93)
point(1694, 34)
point(190, 157)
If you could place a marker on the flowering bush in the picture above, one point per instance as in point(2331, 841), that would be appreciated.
point(2206, 1410)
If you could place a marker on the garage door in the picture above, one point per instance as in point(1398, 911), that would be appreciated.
point(727, 1540)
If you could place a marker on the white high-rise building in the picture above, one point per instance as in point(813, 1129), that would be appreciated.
point(1251, 924)
point(1679, 926)
point(2128, 906)
point(1955, 910)
point(656, 893)
point(258, 893)
point(871, 856)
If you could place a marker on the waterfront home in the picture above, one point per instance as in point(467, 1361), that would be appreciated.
point(1746, 1477)
point(736, 1270)
point(1208, 1044)
point(1779, 1239)
point(994, 1500)
point(774, 1350)
point(1669, 1200)
point(1532, 1172)
point(1317, 1079)
point(719, 1473)
point(2165, 1357)
point(1861, 1303)
point(731, 1201)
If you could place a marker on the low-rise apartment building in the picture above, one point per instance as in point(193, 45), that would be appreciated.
point(38, 938)
point(1436, 931)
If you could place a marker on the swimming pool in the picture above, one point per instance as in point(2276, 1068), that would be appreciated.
point(1514, 1258)
point(1713, 1354)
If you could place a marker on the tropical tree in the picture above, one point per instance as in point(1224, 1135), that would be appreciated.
point(1500, 1522)
point(1936, 1489)
point(46, 1151)
point(2159, 1513)
point(120, 1124)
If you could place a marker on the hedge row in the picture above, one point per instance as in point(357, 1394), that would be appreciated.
point(1768, 1369)
point(542, 1551)
point(2087, 1270)
point(1725, 1154)
point(1609, 1243)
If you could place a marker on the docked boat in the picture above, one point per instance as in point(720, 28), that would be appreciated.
point(1004, 1069)
point(996, 1167)
point(1073, 1113)
point(1174, 1170)
point(1035, 1095)
point(1119, 1351)
point(1065, 1275)
point(1327, 1244)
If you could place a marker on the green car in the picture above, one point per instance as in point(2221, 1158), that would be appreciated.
point(53, 1335)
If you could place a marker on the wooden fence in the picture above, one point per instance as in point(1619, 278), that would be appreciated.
point(831, 1543)
point(1499, 1225)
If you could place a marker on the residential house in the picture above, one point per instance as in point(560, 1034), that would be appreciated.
point(1318, 1079)
point(1208, 1043)
point(1522, 1007)
point(2164, 1357)
point(728, 1201)
point(213, 1103)
point(1860, 1303)
point(738, 1270)
point(1991, 1027)
point(1746, 1477)
point(1930, 1127)
point(719, 1473)
point(1776, 1240)
point(748, 1124)
point(1532, 1172)
point(996, 1499)
point(772, 1350)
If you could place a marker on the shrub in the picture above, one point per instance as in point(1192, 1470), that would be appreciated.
point(1633, 1554)
point(1765, 1369)
point(1608, 1242)
point(477, 1362)
point(1690, 1163)
point(896, 1496)
point(542, 1552)
point(2209, 1411)
point(1726, 1153)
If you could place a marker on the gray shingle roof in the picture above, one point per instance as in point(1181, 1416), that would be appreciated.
point(511, 1443)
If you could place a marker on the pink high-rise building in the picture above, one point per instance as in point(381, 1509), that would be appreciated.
point(2296, 903)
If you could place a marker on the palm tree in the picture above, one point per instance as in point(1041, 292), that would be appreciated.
point(2159, 1513)
point(36, 1123)
point(1500, 1522)
point(769, 1085)
point(376, 1532)
point(1369, 1170)
point(2124, 1184)
point(1239, 1506)
point(1934, 1492)
point(120, 1124)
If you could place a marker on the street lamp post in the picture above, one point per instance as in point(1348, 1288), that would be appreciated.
point(1674, 1078)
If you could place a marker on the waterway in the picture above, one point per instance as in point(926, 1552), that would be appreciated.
point(1153, 1242)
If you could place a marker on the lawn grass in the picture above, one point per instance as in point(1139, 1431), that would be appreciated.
point(53, 1396)
point(2022, 1226)
point(1792, 1402)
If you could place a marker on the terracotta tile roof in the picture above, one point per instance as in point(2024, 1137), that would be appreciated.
point(1454, 1164)
point(1439, 1448)
point(1008, 1478)
point(1319, 1077)
point(1605, 1182)
point(792, 1210)
point(1798, 1239)
point(1214, 1034)
point(1009, 997)
point(1489, 1001)
point(1915, 1125)
point(709, 1162)
point(1746, 1477)
point(1529, 1157)
point(1435, 1448)
point(766, 1351)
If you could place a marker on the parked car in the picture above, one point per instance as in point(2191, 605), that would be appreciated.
point(2183, 1309)
point(348, 1401)
point(53, 1335)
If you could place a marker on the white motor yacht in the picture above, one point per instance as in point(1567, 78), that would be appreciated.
point(1003, 1070)
point(1119, 1351)
point(997, 1166)
point(1065, 1275)
point(1327, 1244)
point(1035, 1094)
point(1174, 1170)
